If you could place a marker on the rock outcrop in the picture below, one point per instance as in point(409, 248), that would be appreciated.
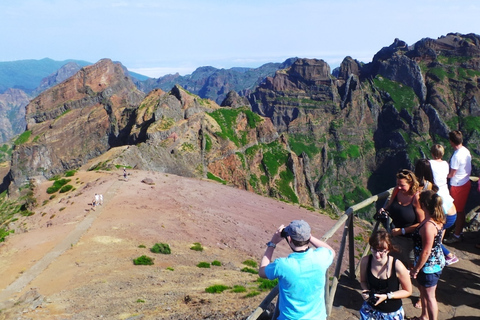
point(75, 121)
point(12, 113)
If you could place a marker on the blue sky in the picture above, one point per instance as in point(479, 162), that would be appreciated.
point(160, 37)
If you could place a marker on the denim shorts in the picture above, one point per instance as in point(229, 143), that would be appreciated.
point(428, 280)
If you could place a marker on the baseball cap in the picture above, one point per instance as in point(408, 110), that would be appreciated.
point(298, 230)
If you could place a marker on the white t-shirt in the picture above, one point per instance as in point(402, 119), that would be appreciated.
point(462, 162)
point(440, 170)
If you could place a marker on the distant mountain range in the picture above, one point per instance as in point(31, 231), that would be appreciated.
point(28, 74)
point(21, 81)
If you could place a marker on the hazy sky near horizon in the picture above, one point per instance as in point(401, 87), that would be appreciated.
point(157, 37)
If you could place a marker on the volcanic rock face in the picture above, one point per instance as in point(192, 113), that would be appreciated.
point(75, 121)
point(12, 113)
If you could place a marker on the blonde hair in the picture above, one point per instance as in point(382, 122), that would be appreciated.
point(411, 179)
point(437, 151)
point(433, 203)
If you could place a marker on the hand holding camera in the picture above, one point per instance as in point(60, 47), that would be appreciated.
point(381, 214)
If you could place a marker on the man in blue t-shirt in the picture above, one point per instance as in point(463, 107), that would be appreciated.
point(301, 275)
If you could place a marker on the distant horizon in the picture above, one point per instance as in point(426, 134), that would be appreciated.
point(163, 71)
point(156, 38)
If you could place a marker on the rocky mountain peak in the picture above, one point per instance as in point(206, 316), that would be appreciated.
point(77, 120)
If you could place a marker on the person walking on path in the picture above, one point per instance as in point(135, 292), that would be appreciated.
point(381, 276)
point(301, 275)
point(429, 258)
point(460, 169)
point(124, 174)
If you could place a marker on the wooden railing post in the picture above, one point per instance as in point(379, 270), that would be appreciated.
point(351, 247)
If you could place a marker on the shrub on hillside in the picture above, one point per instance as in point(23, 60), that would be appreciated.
point(57, 185)
point(196, 247)
point(203, 265)
point(143, 260)
point(161, 248)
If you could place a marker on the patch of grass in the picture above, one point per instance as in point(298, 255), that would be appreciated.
point(471, 123)
point(140, 301)
point(70, 173)
point(208, 143)
point(303, 143)
point(239, 289)
point(249, 270)
point(187, 147)
point(4, 233)
point(143, 260)
point(203, 264)
point(163, 248)
point(142, 246)
point(273, 157)
point(227, 120)
point(211, 176)
point(216, 263)
point(284, 186)
point(252, 294)
point(266, 284)
point(170, 269)
point(250, 263)
point(218, 288)
point(403, 96)
point(197, 246)
point(66, 188)
point(57, 185)
point(23, 138)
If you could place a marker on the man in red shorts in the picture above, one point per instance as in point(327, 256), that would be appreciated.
point(460, 169)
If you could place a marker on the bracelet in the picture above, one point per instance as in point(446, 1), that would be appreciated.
point(403, 231)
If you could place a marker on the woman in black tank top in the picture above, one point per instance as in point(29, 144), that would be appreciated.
point(384, 280)
point(405, 211)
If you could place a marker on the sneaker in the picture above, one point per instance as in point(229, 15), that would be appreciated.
point(452, 260)
point(452, 239)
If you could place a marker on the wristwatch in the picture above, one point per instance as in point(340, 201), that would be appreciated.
point(390, 295)
point(271, 244)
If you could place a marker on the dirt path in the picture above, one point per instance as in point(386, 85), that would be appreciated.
point(71, 239)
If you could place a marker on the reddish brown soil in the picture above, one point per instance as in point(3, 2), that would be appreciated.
point(95, 277)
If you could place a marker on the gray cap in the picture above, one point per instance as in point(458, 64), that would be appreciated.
point(298, 230)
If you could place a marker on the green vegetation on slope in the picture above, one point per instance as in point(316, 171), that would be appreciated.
point(227, 120)
point(403, 96)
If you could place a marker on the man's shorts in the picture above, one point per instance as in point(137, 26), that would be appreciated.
point(428, 280)
point(460, 195)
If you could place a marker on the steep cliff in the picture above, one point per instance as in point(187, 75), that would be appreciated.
point(12, 113)
point(75, 121)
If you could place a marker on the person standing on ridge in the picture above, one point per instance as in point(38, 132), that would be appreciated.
point(301, 275)
point(460, 169)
